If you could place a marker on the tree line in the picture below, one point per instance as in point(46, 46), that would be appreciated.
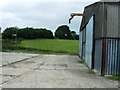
point(62, 32)
point(26, 33)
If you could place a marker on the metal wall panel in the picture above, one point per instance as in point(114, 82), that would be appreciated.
point(83, 42)
point(97, 10)
point(89, 43)
point(106, 19)
point(83, 35)
point(119, 20)
point(83, 51)
point(98, 56)
point(80, 44)
point(112, 56)
point(112, 20)
point(99, 22)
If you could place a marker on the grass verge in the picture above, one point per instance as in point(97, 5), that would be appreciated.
point(81, 61)
point(116, 78)
point(45, 46)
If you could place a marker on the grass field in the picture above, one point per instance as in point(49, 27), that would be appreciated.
point(52, 45)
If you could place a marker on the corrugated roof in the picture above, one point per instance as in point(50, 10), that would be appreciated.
point(91, 9)
point(109, 0)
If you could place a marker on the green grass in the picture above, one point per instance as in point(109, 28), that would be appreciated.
point(51, 46)
point(81, 61)
point(117, 78)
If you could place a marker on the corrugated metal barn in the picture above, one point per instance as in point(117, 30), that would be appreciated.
point(100, 37)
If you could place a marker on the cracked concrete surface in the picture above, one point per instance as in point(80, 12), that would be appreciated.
point(8, 58)
point(52, 71)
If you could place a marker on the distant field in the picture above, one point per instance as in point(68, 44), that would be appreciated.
point(52, 45)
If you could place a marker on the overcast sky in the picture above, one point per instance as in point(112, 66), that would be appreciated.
point(41, 13)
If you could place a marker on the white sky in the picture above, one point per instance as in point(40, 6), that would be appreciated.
point(41, 13)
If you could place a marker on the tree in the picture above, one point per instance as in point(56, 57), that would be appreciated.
point(63, 32)
point(73, 32)
point(10, 33)
point(75, 36)
point(27, 33)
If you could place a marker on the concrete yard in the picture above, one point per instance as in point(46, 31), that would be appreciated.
point(14, 57)
point(49, 71)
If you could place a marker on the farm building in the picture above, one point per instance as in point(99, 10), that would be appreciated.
point(100, 37)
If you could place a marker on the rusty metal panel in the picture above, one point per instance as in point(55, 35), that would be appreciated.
point(89, 43)
point(83, 43)
point(112, 20)
point(83, 35)
point(98, 56)
point(83, 51)
point(112, 56)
